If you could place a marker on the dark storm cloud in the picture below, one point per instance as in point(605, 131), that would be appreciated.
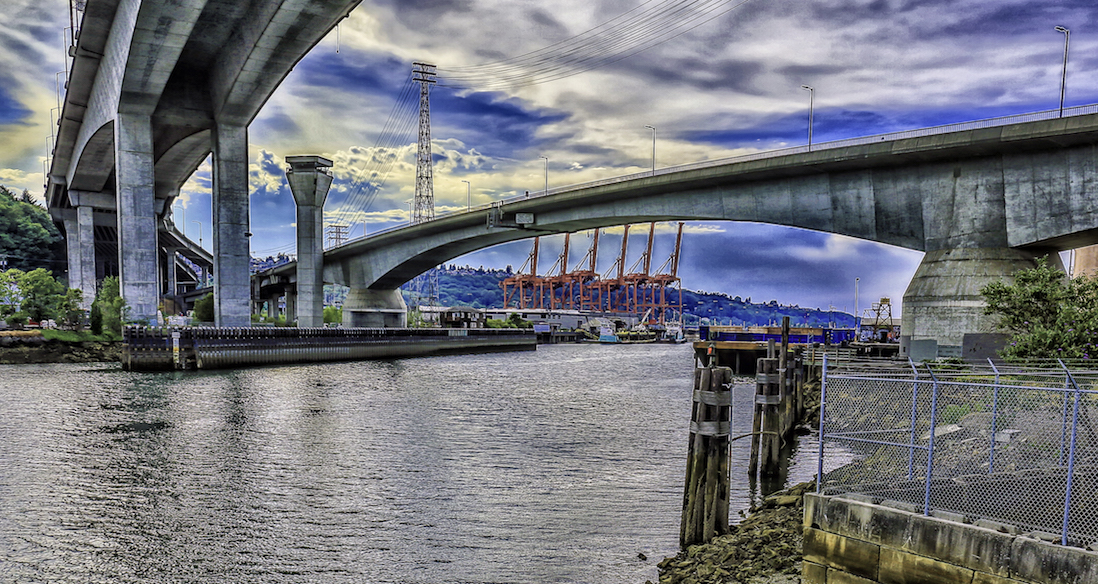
point(358, 73)
point(11, 111)
point(413, 12)
point(497, 126)
point(721, 74)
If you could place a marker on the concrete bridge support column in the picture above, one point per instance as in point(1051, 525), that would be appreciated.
point(232, 283)
point(374, 309)
point(943, 302)
point(309, 181)
point(80, 241)
point(137, 234)
point(170, 272)
point(291, 306)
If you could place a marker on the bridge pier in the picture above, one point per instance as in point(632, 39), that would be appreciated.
point(137, 233)
point(943, 302)
point(374, 308)
point(309, 182)
point(80, 244)
point(232, 284)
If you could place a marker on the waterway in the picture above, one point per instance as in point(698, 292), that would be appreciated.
point(560, 465)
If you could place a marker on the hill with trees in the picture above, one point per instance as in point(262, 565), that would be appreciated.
point(28, 237)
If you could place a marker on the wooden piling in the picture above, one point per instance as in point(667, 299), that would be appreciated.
point(768, 419)
point(707, 487)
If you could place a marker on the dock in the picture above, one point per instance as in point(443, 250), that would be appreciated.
point(188, 348)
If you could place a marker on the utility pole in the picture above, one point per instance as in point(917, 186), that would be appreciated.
point(424, 74)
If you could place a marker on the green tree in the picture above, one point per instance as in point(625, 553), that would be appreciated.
point(9, 292)
point(96, 319)
point(111, 305)
point(28, 237)
point(333, 314)
point(41, 294)
point(1047, 314)
point(204, 308)
point(68, 307)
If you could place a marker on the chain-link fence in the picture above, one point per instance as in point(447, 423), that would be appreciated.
point(1010, 445)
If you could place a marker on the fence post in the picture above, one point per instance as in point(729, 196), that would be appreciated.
point(914, 414)
point(707, 487)
point(994, 418)
point(1071, 456)
point(823, 411)
point(930, 445)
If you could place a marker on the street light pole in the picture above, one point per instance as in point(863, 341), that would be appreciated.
point(811, 111)
point(653, 148)
point(546, 173)
point(199, 232)
point(1064, 73)
point(856, 308)
point(468, 196)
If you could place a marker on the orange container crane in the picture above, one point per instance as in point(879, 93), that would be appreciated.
point(525, 291)
point(587, 280)
point(664, 284)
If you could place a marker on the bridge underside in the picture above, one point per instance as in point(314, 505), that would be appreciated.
point(155, 88)
point(980, 204)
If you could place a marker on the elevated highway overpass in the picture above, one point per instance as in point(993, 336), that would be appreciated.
point(155, 87)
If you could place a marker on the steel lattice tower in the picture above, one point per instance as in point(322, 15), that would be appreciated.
point(424, 74)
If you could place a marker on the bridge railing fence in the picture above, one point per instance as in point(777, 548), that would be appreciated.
point(763, 155)
point(1015, 449)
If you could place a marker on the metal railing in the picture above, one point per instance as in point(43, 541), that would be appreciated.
point(1009, 445)
point(763, 155)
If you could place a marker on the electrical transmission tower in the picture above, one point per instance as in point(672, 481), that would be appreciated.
point(424, 74)
point(337, 235)
point(425, 286)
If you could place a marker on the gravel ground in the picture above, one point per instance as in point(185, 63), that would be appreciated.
point(766, 548)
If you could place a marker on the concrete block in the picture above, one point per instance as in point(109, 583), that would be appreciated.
point(968, 546)
point(982, 578)
point(840, 577)
point(1050, 563)
point(899, 567)
point(842, 553)
point(813, 573)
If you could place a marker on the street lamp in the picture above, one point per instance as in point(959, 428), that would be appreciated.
point(410, 201)
point(546, 159)
point(468, 196)
point(856, 308)
point(1064, 73)
point(811, 108)
point(199, 232)
point(653, 148)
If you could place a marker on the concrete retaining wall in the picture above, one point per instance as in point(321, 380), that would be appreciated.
point(848, 541)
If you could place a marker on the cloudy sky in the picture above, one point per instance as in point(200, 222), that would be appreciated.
point(721, 86)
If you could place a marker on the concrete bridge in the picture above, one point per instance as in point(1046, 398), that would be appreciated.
point(154, 88)
point(981, 201)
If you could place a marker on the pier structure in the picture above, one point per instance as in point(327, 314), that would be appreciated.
point(169, 348)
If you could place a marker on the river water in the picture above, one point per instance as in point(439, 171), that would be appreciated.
point(560, 465)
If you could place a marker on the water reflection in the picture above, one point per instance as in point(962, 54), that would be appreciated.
point(555, 466)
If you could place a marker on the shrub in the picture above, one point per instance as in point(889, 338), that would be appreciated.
point(204, 308)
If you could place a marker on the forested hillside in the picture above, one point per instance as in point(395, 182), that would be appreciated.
point(479, 288)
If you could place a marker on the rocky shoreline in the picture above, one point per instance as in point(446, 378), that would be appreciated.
point(34, 348)
point(766, 547)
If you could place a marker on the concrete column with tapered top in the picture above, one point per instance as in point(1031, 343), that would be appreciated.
point(310, 180)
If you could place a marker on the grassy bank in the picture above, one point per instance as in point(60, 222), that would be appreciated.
point(58, 346)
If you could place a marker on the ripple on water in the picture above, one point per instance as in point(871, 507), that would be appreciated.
point(553, 466)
